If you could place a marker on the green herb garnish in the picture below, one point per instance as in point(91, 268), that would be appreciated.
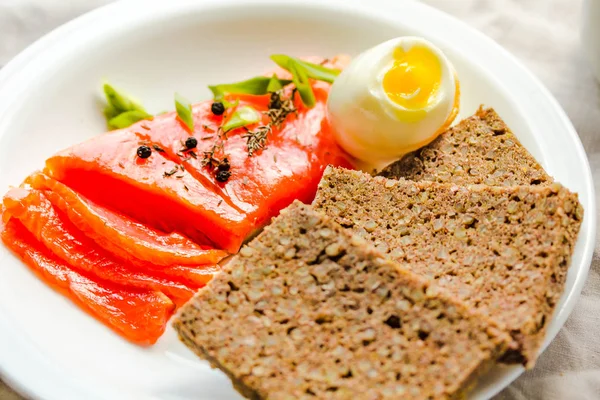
point(258, 85)
point(300, 79)
point(243, 116)
point(121, 111)
point(119, 101)
point(127, 118)
point(229, 104)
point(109, 113)
point(314, 71)
point(184, 111)
point(274, 84)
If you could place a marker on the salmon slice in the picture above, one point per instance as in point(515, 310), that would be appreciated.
point(106, 170)
point(60, 236)
point(118, 234)
point(195, 277)
point(173, 191)
point(289, 168)
point(136, 314)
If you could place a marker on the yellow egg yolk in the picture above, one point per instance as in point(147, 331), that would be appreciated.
point(414, 78)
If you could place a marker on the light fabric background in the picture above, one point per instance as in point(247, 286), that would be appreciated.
point(543, 34)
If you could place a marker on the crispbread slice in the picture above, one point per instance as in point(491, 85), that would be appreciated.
point(307, 311)
point(478, 150)
point(503, 250)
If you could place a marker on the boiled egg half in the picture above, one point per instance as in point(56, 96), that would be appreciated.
point(392, 99)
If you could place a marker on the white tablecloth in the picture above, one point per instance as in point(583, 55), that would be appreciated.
point(544, 34)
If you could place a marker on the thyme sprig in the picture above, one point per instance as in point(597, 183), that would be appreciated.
point(257, 138)
point(279, 109)
point(171, 172)
point(210, 157)
point(214, 157)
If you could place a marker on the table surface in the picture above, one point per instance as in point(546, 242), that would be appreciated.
point(544, 35)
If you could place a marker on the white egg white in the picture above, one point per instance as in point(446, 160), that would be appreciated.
point(368, 124)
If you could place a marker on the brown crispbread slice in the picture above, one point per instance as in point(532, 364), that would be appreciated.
point(307, 310)
point(479, 150)
point(504, 251)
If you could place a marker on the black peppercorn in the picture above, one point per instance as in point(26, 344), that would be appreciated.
point(275, 102)
point(224, 165)
point(217, 108)
point(223, 176)
point(144, 151)
point(191, 143)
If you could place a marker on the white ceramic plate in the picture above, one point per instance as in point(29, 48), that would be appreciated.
point(49, 100)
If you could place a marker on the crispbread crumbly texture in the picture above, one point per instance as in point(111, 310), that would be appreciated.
point(308, 311)
point(504, 251)
point(478, 150)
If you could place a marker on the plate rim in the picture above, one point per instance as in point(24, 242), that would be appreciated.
point(21, 380)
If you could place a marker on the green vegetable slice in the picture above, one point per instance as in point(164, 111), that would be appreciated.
point(300, 79)
point(314, 71)
point(258, 85)
point(119, 101)
point(110, 112)
point(274, 84)
point(127, 118)
point(228, 104)
point(184, 111)
point(121, 111)
point(243, 116)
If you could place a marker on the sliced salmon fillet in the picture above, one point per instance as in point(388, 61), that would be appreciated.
point(106, 170)
point(60, 236)
point(121, 235)
point(138, 315)
point(195, 277)
point(289, 168)
point(190, 200)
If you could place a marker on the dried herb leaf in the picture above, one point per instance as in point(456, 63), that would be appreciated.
point(256, 139)
point(171, 172)
point(280, 108)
